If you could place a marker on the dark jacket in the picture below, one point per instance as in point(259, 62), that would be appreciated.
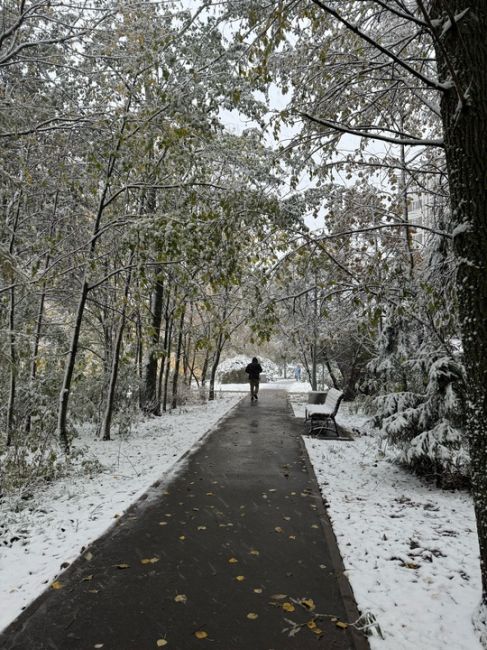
point(253, 370)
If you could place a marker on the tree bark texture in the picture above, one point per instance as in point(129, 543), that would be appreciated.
point(149, 388)
point(168, 365)
point(463, 48)
point(177, 363)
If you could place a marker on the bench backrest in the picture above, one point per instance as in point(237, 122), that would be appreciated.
point(333, 399)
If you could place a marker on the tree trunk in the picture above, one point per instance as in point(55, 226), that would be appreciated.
point(69, 369)
point(139, 350)
point(168, 366)
point(214, 367)
point(333, 378)
point(167, 320)
point(13, 367)
point(149, 401)
point(464, 115)
point(13, 360)
point(177, 363)
point(107, 418)
point(204, 369)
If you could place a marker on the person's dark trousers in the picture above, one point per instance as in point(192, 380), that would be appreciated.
point(254, 388)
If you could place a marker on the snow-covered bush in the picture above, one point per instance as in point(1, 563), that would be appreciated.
point(233, 370)
point(424, 429)
point(420, 404)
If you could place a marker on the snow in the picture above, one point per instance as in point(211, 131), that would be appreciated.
point(410, 550)
point(241, 361)
point(51, 528)
point(289, 385)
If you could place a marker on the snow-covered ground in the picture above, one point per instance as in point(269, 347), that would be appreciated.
point(52, 527)
point(410, 550)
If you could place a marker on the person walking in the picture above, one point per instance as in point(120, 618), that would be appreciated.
point(253, 370)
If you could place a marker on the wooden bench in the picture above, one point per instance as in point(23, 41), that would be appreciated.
point(317, 416)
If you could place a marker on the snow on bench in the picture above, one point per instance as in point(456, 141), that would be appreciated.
point(318, 414)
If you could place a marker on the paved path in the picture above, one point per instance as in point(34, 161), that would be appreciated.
point(242, 523)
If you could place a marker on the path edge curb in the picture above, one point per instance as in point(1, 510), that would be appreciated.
point(359, 639)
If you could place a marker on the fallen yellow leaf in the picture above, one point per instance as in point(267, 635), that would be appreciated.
point(201, 527)
point(98, 645)
point(254, 552)
point(258, 590)
point(57, 585)
point(278, 596)
point(161, 643)
point(317, 630)
point(181, 598)
point(201, 634)
point(87, 578)
point(149, 560)
point(240, 578)
point(233, 560)
point(311, 624)
point(163, 523)
point(288, 607)
point(88, 556)
point(278, 529)
point(341, 625)
point(182, 537)
point(121, 566)
point(308, 603)
point(252, 616)
point(292, 536)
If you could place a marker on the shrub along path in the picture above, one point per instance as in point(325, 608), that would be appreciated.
point(234, 550)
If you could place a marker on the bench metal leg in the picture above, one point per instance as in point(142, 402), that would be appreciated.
point(318, 425)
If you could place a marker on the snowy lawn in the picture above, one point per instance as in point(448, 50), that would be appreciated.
point(52, 527)
point(410, 550)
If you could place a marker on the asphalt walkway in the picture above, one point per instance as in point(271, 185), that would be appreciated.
point(234, 554)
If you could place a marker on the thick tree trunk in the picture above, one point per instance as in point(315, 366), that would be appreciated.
point(314, 368)
point(464, 113)
point(149, 399)
point(177, 362)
